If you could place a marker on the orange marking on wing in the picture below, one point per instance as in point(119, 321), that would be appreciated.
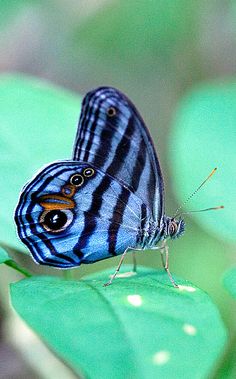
point(54, 201)
point(68, 190)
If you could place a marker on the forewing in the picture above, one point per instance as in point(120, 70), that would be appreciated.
point(113, 137)
point(105, 217)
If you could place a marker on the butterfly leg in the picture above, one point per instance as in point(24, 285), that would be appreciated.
point(134, 262)
point(117, 270)
point(165, 262)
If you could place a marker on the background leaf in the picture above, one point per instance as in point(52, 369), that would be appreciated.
point(11, 7)
point(203, 137)
point(230, 281)
point(165, 26)
point(154, 51)
point(38, 124)
point(139, 327)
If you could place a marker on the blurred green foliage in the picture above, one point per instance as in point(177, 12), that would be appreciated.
point(230, 281)
point(140, 30)
point(3, 256)
point(32, 114)
point(10, 8)
point(154, 51)
point(204, 136)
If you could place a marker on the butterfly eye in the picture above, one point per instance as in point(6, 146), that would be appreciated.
point(111, 111)
point(57, 220)
point(77, 180)
point(173, 228)
point(88, 172)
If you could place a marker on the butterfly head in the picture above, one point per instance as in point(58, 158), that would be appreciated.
point(174, 228)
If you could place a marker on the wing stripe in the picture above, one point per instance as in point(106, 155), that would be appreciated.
point(135, 183)
point(91, 130)
point(104, 149)
point(142, 224)
point(90, 224)
point(117, 219)
point(23, 197)
point(119, 158)
point(41, 235)
point(84, 125)
point(138, 168)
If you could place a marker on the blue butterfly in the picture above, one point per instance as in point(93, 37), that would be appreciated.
point(107, 200)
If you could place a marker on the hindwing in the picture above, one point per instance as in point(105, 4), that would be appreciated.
point(71, 212)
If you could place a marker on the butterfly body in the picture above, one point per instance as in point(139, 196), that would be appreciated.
point(108, 198)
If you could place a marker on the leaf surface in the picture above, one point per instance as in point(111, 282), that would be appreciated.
point(139, 327)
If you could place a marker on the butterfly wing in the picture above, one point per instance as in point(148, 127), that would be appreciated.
point(72, 213)
point(113, 137)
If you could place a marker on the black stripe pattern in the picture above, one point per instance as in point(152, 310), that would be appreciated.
point(120, 144)
point(95, 228)
point(108, 198)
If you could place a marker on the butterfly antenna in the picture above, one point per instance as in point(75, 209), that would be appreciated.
point(194, 193)
point(200, 210)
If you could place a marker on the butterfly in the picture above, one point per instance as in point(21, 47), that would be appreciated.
point(107, 200)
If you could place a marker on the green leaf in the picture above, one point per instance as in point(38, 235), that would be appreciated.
point(139, 327)
point(4, 257)
point(227, 368)
point(203, 137)
point(230, 281)
point(38, 125)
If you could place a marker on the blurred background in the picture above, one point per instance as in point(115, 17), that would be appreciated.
point(155, 52)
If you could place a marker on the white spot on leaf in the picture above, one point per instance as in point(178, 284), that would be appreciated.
point(189, 329)
point(187, 288)
point(161, 357)
point(135, 300)
point(125, 274)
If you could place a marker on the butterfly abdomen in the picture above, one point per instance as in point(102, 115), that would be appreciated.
point(150, 234)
